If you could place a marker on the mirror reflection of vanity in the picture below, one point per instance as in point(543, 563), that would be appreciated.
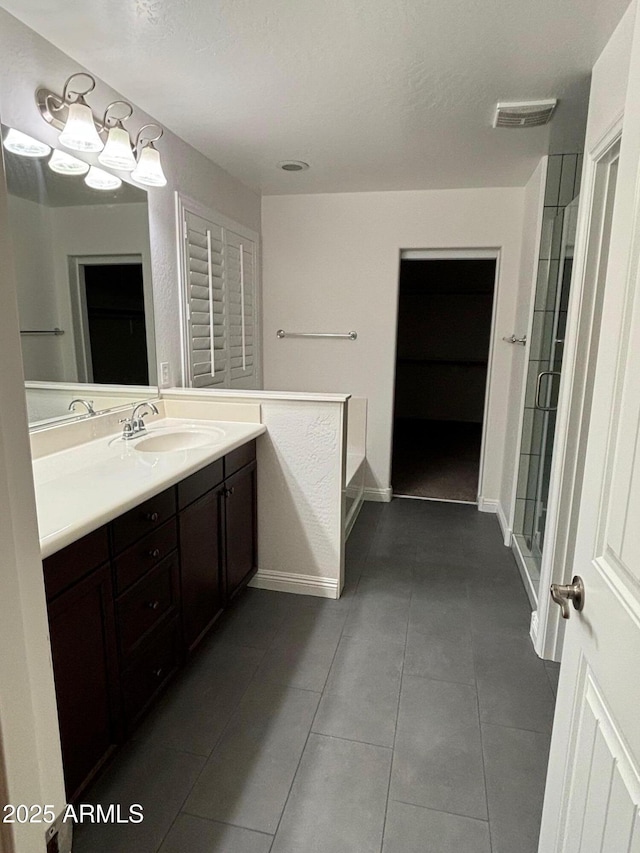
point(83, 271)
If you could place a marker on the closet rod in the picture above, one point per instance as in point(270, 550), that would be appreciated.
point(55, 331)
point(350, 335)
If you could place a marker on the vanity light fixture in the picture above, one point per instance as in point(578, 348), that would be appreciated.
point(26, 146)
point(66, 164)
point(148, 170)
point(80, 131)
point(98, 179)
point(117, 152)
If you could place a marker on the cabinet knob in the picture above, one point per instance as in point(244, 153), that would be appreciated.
point(154, 553)
point(152, 516)
point(158, 672)
point(153, 605)
point(228, 492)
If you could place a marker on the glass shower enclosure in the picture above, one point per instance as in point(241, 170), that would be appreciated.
point(541, 398)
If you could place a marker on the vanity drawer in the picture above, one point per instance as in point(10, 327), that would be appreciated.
point(147, 603)
point(239, 457)
point(67, 566)
point(154, 666)
point(200, 483)
point(143, 519)
point(144, 554)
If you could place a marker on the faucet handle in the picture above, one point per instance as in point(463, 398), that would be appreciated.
point(128, 431)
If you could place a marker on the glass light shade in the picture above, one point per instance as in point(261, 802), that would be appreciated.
point(65, 164)
point(79, 132)
point(117, 152)
point(26, 146)
point(149, 169)
point(99, 180)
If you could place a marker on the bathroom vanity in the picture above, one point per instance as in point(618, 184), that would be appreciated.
point(129, 601)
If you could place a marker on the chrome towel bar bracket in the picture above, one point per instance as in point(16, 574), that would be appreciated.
point(513, 340)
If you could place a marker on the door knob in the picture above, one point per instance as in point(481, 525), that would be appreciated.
point(563, 593)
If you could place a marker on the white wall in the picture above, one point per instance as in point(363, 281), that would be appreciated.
point(531, 228)
point(331, 263)
point(28, 61)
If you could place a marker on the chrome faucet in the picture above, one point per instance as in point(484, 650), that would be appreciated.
point(134, 425)
point(87, 403)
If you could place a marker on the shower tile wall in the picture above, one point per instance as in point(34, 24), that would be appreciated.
point(562, 185)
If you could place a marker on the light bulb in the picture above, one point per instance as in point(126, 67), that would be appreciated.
point(26, 146)
point(65, 164)
point(79, 132)
point(149, 169)
point(99, 180)
point(117, 152)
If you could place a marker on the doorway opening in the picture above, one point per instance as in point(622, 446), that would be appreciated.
point(445, 311)
point(110, 324)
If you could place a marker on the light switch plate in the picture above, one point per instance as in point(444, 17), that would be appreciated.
point(165, 374)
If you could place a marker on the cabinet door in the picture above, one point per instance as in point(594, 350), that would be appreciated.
point(82, 629)
point(240, 526)
point(200, 565)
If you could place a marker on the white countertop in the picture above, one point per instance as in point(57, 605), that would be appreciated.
point(84, 487)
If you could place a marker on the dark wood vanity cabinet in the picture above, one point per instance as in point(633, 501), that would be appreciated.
point(200, 558)
point(240, 539)
point(85, 666)
point(130, 601)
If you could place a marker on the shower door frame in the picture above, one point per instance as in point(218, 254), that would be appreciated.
point(547, 626)
point(481, 253)
point(536, 540)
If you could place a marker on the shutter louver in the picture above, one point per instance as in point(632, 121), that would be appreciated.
point(240, 268)
point(206, 301)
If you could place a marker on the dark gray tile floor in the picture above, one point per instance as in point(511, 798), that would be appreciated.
point(411, 716)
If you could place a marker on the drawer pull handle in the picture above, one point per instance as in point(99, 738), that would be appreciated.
point(158, 672)
point(152, 516)
point(155, 553)
point(153, 605)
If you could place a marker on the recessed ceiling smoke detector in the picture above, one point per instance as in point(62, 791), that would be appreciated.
point(524, 113)
point(293, 165)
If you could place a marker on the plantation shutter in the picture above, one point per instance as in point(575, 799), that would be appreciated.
point(206, 302)
point(240, 290)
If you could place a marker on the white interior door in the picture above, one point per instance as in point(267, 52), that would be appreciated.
point(592, 800)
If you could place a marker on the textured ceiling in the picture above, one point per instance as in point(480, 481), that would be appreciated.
point(374, 94)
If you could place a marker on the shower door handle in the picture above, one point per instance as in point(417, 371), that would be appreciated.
point(538, 404)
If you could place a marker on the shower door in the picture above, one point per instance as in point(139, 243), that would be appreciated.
point(548, 381)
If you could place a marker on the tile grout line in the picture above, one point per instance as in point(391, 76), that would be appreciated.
point(395, 731)
point(310, 732)
point(227, 823)
point(484, 769)
point(441, 811)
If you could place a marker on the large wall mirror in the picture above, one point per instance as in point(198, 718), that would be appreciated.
point(85, 296)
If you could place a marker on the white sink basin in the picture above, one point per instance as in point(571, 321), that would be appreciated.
point(176, 440)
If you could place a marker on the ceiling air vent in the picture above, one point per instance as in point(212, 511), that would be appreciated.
point(524, 113)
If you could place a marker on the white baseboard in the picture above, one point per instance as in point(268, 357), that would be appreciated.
point(379, 495)
point(299, 584)
point(487, 504)
point(504, 526)
point(352, 517)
